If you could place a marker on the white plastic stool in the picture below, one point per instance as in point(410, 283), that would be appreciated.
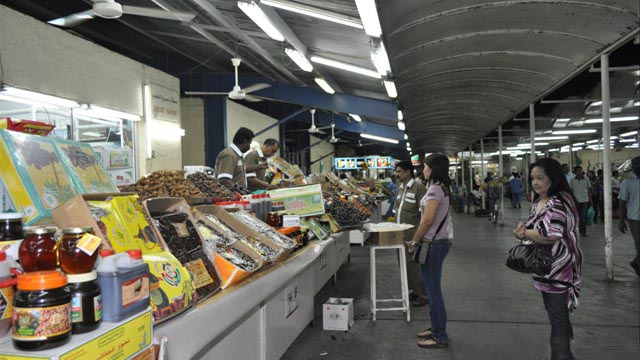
point(403, 279)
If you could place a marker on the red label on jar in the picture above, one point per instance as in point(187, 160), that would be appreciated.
point(41, 323)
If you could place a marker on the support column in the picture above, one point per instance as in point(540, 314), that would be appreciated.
point(606, 166)
point(532, 131)
point(482, 176)
point(500, 172)
point(470, 170)
point(215, 127)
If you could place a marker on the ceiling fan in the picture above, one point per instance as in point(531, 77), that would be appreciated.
point(237, 93)
point(361, 144)
point(334, 139)
point(110, 9)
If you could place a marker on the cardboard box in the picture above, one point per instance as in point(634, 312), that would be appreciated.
point(387, 238)
point(115, 341)
point(123, 177)
point(85, 168)
point(337, 316)
point(243, 229)
point(124, 223)
point(33, 175)
point(117, 158)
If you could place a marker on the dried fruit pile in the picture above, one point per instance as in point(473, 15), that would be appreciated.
point(210, 186)
point(344, 212)
point(164, 184)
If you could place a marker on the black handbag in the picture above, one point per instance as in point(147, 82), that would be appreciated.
point(416, 253)
point(530, 257)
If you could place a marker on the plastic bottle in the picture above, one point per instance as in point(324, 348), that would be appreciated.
point(269, 203)
point(124, 280)
point(255, 204)
point(6, 288)
point(86, 302)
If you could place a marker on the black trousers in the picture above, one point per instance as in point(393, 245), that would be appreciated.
point(561, 330)
point(583, 207)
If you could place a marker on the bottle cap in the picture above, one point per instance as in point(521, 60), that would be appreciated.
point(41, 280)
point(106, 252)
point(79, 278)
point(135, 254)
point(3, 255)
point(40, 230)
point(77, 230)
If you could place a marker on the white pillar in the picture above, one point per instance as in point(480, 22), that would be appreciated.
point(482, 176)
point(470, 170)
point(500, 172)
point(606, 165)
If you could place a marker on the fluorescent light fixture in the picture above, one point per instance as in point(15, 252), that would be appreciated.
point(630, 133)
point(627, 140)
point(299, 59)
point(100, 112)
point(369, 16)
point(578, 144)
point(526, 145)
point(344, 66)
point(613, 119)
point(324, 85)
point(518, 158)
point(574, 132)
point(632, 146)
point(400, 115)
point(596, 103)
point(93, 134)
point(379, 138)
point(563, 120)
point(380, 59)
point(637, 103)
point(401, 125)
point(253, 11)
point(390, 86)
point(406, 137)
point(356, 117)
point(314, 12)
point(147, 119)
point(595, 141)
point(551, 137)
point(37, 97)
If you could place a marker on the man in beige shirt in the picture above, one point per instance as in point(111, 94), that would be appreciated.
point(256, 164)
point(230, 163)
point(407, 209)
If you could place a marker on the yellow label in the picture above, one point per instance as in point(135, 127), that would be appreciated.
point(119, 343)
point(199, 273)
point(14, 185)
point(6, 300)
point(89, 243)
point(31, 324)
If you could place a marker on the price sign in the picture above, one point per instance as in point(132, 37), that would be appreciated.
point(301, 200)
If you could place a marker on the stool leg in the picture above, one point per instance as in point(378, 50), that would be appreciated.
point(373, 282)
point(405, 286)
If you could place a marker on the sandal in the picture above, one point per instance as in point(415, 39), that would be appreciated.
point(432, 344)
point(425, 334)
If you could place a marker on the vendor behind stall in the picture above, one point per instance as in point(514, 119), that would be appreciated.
point(230, 164)
point(256, 164)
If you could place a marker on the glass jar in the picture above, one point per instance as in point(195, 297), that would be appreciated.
point(73, 259)
point(41, 311)
point(273, 220)
point(86, 302)
point(11, 226)
point(38, 249)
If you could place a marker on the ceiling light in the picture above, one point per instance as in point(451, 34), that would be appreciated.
point(551, 137)
point(593, 141)
point(324, 85)
point(632, 146)
point(19, 94)
point(390, 86)
point(345, 66)
point(596, 103)
point(574, 132)
point(379, 138)
point(627, 140)
point(563, 120)
point(578, 144)
point(630, 133)
point(369, 16)
point(637, 103)
point(253, 11)
point(100, 112)
point(613, 119)
point(400, 115)
point(314, 12)
point(299, 59)
point(406, 137)
point(380, 59)
point(526, 145)
point(401, 125)
point(356, 117)
point(93, 134)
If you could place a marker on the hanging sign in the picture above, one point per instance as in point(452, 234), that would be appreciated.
point(301, 200)
point(165, 104)
point(415, 160)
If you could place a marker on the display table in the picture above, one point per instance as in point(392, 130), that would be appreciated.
point(258, 318)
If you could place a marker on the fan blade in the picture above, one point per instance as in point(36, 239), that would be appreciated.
point(204, 93)
point(255, 87)
point(158, 13)
point(251, 98)
point(73, 19)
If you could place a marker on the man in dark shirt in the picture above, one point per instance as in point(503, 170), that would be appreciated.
point(256, 164)
point(230, 164)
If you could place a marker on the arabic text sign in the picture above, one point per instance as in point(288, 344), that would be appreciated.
point(165, 104)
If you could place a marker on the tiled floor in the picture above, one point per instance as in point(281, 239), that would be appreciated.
point(493, 312)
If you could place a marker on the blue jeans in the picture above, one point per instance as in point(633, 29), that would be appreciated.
point(515, 199)
point(430, 276)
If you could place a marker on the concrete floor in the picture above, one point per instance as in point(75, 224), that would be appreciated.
point(493, 312)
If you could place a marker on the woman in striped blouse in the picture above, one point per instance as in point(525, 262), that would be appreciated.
point(554, 220)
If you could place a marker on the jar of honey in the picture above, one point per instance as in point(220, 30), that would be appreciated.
point(77, 250)
point(38, 249)
point(273, 220)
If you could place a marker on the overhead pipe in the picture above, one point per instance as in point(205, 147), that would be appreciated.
point(606, 166)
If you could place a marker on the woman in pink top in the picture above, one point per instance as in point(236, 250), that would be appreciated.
point(553, 220)
point(432, 233)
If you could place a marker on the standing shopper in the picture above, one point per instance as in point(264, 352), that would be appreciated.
point(407, 208)
point(516, 190)
point(433, 246)
point(593, 181)
point(630, 208)
point(581, 187)
point(553, 220)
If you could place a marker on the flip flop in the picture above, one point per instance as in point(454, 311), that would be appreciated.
point(432, 344)
point(425, 334)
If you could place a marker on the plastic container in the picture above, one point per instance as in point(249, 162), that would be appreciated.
point(86, 302)
point(11, 226)
point(6, 288)
point(42, 311)
point(269, 203)
point(76, 257)
point(124, 281)
point(255, 204)
point(38, 249)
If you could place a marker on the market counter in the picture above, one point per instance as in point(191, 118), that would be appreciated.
point(260, 317)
